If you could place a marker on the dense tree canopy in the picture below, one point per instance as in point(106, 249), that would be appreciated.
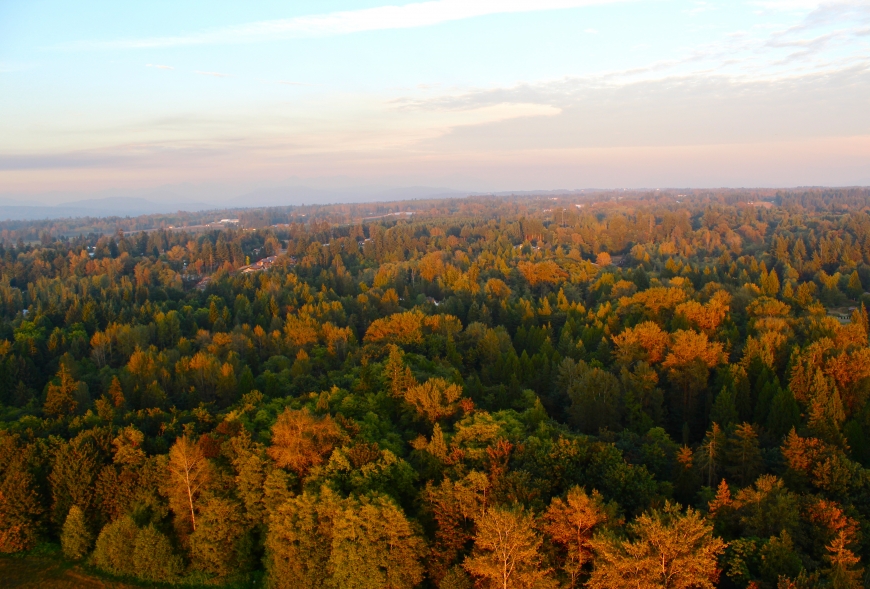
point(603, 390)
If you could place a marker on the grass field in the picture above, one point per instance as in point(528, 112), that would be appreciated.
point(32, 572)
point(45, 568)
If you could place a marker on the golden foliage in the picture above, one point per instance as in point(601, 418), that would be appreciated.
point(655, 299)
point(497, 289)
point(189, 472)
point(645, 341)
point(766, 347)
point(709, 316)
point(506, 550)
point(669, 550)
point(767, 307)
point(301, 440)
point(546, 272)
point(434, 399)
point(687, 346)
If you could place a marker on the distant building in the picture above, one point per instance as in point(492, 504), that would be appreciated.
point(841, 314)
point(228, 221)
point(263, 264)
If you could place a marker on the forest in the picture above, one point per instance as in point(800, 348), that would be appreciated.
point(618, 390)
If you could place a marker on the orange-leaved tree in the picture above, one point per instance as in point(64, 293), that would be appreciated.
point(301, 440)
point(570, 524)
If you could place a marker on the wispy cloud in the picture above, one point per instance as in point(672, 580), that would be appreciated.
point(420, 14)
point(213, 74)
point(159, 67)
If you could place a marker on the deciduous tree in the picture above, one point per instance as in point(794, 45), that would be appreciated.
point(665, 549)
point(506, 550)
point(300, 440)
point(189, 472)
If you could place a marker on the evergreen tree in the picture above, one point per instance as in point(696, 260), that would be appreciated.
point(20, 504)
point(743, 455)
point(75, 538)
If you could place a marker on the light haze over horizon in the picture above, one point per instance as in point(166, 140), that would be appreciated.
point(221, 98)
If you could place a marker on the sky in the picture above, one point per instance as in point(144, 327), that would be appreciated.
point(215, 97)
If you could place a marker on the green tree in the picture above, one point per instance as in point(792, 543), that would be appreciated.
point(785, 413)
point(75, 537)
point(855, 288)
point(73, 476)
point(113, 552)
point(154, 558)
point(299, 541)
point(221, 543)
point(375, 546)
point(743, 455)
point(708, 456)
point(779, 559)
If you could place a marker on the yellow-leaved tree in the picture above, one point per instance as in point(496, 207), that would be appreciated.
point(506, 551)
point(665, 549)
point(189, 472)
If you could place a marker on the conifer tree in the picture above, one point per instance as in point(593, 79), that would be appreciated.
point(75, 538)
point(60, 399)
point(844, 571)
point(709, 454)
point(743, 455)
point(20, 508)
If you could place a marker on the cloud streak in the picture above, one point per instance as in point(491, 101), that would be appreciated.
point(420, 14)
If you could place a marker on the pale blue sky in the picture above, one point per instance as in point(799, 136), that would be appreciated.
point(476, 95)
